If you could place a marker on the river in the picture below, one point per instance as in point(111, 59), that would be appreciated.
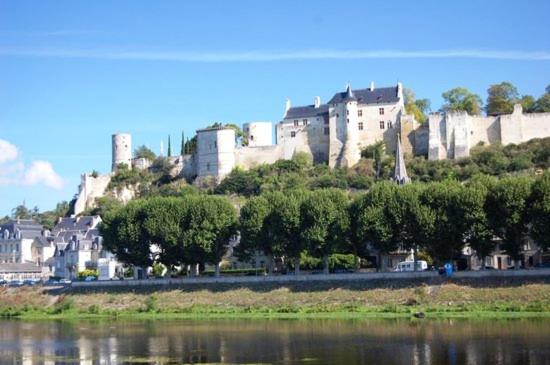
point(330, 341)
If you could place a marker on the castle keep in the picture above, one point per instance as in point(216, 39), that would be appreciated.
point(332, 133)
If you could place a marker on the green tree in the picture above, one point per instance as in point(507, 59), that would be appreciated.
point(325, 223)
point(473, 199)
point(449, 226)
point(528, 103)
point(169, 147)
point(144, 152)
point(21, 212)
point(543, 103)
point(540, 211)
point(461, 99)
point(507, 209)
point(124, 236)
point(190, 146)
point(416, 107)
point(182, 151)
point(373, 220)
point(251, 226)
point(501, 98)
point(162, 228)
point(413, 221)
point(283, 225)
point(212, 222)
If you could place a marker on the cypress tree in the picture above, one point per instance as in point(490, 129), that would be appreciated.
point(169, 147)
point(182, 143)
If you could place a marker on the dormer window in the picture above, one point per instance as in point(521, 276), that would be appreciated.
point(381, 111)
point(296, 122)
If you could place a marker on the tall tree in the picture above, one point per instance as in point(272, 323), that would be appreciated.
point(376, 152)
point(144, 152)
point(507, 208)
point(543, 103)
point(419, 108)
point(21, 212)
point(413, 221)
point(283, 224)
point(461, 99)
point(123, 235)
point(251, 226)
point(540, 211)
point(182, 151)
point(478, 235)
point(169, 147)
point(373, 220)
point(212, 222)
point(447, 236)
point(501, 98)
point(325, 223)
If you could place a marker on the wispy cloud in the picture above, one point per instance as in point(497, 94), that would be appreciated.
point(274, 55)
point(14, 172)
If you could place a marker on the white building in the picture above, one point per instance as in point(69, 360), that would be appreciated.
point(78, 247)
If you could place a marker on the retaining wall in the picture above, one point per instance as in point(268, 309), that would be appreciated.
point(312, 278)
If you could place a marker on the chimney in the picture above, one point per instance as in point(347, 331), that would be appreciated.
point(317, 101)
point(371, 86)
point(287, 105)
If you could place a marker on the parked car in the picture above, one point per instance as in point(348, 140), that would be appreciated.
point(421, 265)
point(90, 278)
point(15, 283)
point(3, 282)
point(64, 281)
point(29, 282)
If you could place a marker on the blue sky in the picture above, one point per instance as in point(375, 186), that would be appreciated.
point(74, 72)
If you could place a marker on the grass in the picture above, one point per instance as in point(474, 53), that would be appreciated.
point(292, 300)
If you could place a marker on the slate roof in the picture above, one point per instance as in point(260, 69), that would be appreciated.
point(19, 267)
point(29, 228)
point(381, 95)
point(75, 224)
point(306, 111)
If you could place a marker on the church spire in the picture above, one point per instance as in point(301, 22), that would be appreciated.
point(400, 174)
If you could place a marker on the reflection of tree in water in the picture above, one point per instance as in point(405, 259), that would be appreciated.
point(266, 341)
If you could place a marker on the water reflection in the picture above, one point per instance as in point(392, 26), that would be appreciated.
point(276, 341)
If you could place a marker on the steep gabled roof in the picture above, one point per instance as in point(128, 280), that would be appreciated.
point(381, 95)
point(307, 111)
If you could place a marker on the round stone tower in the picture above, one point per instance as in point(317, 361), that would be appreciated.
point(122, 150)
point(351, 153)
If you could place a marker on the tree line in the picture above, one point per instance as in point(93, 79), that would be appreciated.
point(437, 219)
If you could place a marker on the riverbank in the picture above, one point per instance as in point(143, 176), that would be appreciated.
point(498, 298)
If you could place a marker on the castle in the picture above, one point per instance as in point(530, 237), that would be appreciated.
point(332, 133)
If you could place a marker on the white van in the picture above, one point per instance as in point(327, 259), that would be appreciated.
point(421, 265)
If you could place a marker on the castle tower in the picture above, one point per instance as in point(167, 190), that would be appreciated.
point(122, 150)
point(351, 153)
point(215, 152)
point(258, 133)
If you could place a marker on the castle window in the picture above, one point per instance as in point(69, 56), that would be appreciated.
point(215, 144)
point(337, 115)
point(390, 124)
point(381, 111)
point(326, 120)
point(304, 121)
point(381, 124)
point(360, 125)
point(296, 122)
point(327, 131)
point(347, 112)
point(208, 166)
point(347, 120)
point(292, 134)
point(251, 138)
point(360, 112)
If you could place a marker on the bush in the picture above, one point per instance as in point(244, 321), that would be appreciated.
point(85, 273)
point(150, 304)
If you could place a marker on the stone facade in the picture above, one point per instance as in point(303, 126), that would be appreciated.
point(333, 133)
point(453, 134)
